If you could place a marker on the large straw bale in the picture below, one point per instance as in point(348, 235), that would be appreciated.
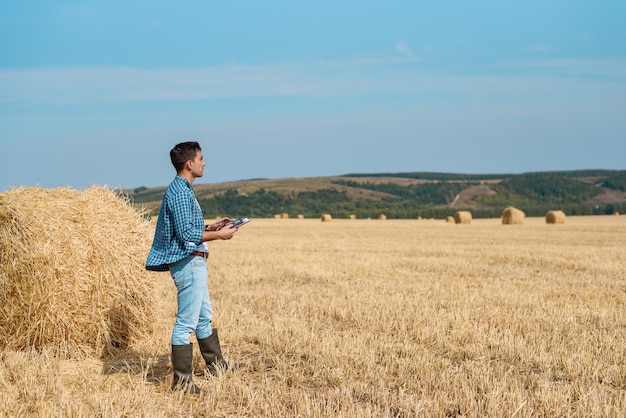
point(352, 216)
point(555, 217)
point(72, 273)
point(463, 217)
point(382, 217)
point(326, 217)
point(512, 216)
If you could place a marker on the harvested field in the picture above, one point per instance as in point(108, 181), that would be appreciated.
point(371, 319)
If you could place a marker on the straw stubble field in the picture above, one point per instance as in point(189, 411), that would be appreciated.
point(377, 318)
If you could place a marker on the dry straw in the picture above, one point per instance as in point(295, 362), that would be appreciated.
point(463, 217)
point(512, 216)
point(450, 219)
point(326, 217)
point(352, 216)
point(555, 217)
point(382, 217)
point(72, 273)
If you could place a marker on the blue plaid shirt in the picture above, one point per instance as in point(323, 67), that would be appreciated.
point(179, 226)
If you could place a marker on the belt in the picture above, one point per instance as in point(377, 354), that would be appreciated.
point(200, 254)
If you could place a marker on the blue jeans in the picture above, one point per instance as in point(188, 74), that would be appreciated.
point(194, 306)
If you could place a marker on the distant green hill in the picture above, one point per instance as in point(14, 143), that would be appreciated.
point(408, 195)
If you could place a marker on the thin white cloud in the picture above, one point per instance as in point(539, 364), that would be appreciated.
point(351, 78)
point(599, 67)
point(105, 85)
point(466, 43)
point(403, 48)
point(541, 48)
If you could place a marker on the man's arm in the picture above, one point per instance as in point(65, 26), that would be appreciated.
point(222, 233)
point(216, 227)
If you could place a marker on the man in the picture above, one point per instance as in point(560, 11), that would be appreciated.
point(180, 246)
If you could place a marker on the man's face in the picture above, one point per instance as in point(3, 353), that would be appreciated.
point(197, 165)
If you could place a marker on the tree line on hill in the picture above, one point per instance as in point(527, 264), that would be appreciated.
point(534, 193)
point(479, 177)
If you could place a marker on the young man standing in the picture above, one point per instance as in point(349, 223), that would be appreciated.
point(180, 246)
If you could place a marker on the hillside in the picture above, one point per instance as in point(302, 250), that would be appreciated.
point(408, 195)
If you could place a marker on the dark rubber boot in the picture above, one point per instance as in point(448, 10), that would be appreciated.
point(212, 353)
point(182, 356)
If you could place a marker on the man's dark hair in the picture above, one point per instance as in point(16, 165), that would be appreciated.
point(182, 153)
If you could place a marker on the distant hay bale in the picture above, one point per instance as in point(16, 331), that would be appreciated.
point(512, 216)
point(352, 216)
point(449, 218)
point(300, 216)
point(616, 213)
point(277, 216)
point(419, 218)
point(284, 216)
point(72, 273)
point(555, 217)
point(326, 217)
point(463, 217)
point(382, 217)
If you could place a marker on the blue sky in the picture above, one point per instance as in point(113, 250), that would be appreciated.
point(99, 92)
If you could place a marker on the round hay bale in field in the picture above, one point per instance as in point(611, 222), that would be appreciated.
point(555, 217)
point(449, 218)
point(300, 216)
point(616, 213)
point(382, 217)
point(284, 215)
point(352, 216)
point(72, 273)
point(463, 217)
point(512, 216)
point(326, 217)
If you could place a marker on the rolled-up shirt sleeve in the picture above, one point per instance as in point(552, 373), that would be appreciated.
point(186, 216)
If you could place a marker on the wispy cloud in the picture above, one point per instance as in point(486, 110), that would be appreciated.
point(466, 43)
point(349, 78)
point(541, 48)
point(582, 67)
point(403, 48)
point(68, 86)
